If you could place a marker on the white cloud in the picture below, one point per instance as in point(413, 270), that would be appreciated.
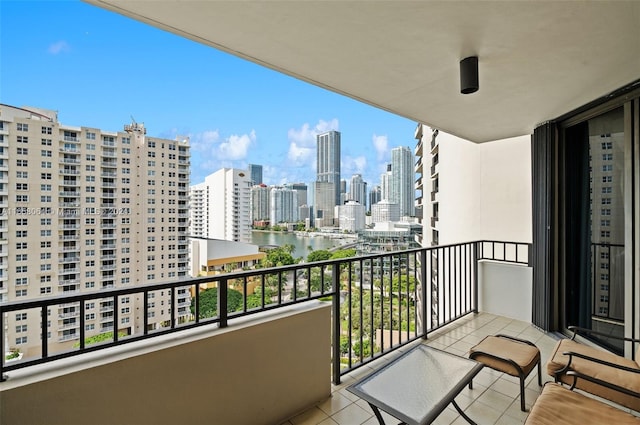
point(59, 47)
point(236, 147)
point(350, 166)
point(302, 141)
point(381, 146)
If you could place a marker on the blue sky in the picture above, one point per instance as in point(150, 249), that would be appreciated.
point(100, 69)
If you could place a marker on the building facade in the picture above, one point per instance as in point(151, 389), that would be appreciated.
point(328, 168)
point(228, 212)
point(402, 180)
point(255, 173)
point(284, 205)
point(89, 210)
point(260, 203)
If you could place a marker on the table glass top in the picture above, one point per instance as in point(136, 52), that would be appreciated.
point(418, 385)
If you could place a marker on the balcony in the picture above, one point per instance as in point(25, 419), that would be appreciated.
point(291, 311)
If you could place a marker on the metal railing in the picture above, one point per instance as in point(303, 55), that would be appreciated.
point(380, 302)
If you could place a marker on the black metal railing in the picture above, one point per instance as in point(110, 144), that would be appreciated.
point(380, 302)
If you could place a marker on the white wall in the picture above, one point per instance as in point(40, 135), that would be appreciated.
point(505, 290)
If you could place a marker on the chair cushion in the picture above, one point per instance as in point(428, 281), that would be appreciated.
point(558, 405)
point(524, 355)
point(624, 379)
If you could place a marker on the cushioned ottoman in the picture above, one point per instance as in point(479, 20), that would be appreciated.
point(513, 356)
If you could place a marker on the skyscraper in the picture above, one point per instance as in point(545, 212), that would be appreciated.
point(328, 176)
point(255, 173)
point(284, 205)
point(228, 212)
point(89, 209)
point(402, 180)
point(260, 203)
point(358, 190)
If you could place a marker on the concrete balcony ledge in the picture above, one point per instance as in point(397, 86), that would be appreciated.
point(262, 369)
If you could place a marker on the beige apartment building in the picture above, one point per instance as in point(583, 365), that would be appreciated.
point(85, 210)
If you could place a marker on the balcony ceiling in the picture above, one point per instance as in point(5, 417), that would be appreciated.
point(537, 59)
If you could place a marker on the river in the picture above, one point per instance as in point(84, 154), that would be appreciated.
point(300, 243)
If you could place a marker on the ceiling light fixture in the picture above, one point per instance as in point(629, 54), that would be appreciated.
point(469, 75)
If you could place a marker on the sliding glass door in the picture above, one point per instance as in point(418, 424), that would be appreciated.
point(593, 231)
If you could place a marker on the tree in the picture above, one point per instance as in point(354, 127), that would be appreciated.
point(280, 256)
point(343, 253)
point(319, 255)
point(209, 302)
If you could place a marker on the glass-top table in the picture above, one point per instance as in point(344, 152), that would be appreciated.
point(417, 386)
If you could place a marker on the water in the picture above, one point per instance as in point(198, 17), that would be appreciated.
point(300, 243)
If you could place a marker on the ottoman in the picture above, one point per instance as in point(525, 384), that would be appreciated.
point(513, 356)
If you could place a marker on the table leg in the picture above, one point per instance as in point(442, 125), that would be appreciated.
point(468, 419)
point(379, 415)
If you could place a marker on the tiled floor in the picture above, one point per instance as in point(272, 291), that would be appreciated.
point(494, 399)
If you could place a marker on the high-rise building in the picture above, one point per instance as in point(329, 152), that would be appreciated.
point(255, 174)
point(385, 184)
point(375, 196)
point(402, 180)
point(260, 203)
point(301, 188)
point(327, 185)
point(228, 212)
point(89, 209)
point(284, 205)
point(358, 189)
point(352, 217)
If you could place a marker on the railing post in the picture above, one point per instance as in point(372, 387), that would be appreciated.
point(223, 313)
point(335, 280)
point(426, 284)
point(476, 247)
point(3, 377)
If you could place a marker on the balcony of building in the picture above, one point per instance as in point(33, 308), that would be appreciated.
point(279, 356)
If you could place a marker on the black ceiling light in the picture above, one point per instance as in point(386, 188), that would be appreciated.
point(469, 75)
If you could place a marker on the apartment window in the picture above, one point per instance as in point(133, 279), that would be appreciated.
point(22, 174)
point(90, 242)
point(90, 220)
point(607, 167)
point(45, 164)
point(22, 281)
point(90, 263)
point(90, 178)
point(126, 180)
point(90, 157)
point(21, 222)
point(605, 234)
point(125, 240)
point(126, 151)
point(22, 198)
point(45, 176)
point(21, 340)
point(45, 267)
point(126, 161)
point(45, 198)
point(21, 293)
point(90, 327)
point(90, 199)
point(21, 245)
point(90, 231)
point(126, 140)
point(22, 151)
point(22, 126)
point(45, 153)
point(125, 260)
point(606, 201)
point(605, 211)
point(45, 279)
point(22, 163)
point(45, 290)
point(21, 316)
point(90, 168)
point(605, 223)
point(607, 156)
point(22, 186)
point(90, 273)
point(21, 328)
point(90, 135)
point(46, 130)
point(126, 171)
point(91, 147)
point(45, 187)
point(21, 257)
point(89, 285)
point(607, 145)
point(45, 233)
point(45, 256)
point(604, 276)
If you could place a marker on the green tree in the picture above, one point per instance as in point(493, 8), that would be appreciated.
point(318, 255)
point(209, 302)
point(280, 256)
point(343, 253)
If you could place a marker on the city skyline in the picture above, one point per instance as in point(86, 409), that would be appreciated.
point(235, 113)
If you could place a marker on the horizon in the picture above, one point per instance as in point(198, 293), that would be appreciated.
point(100, 69)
